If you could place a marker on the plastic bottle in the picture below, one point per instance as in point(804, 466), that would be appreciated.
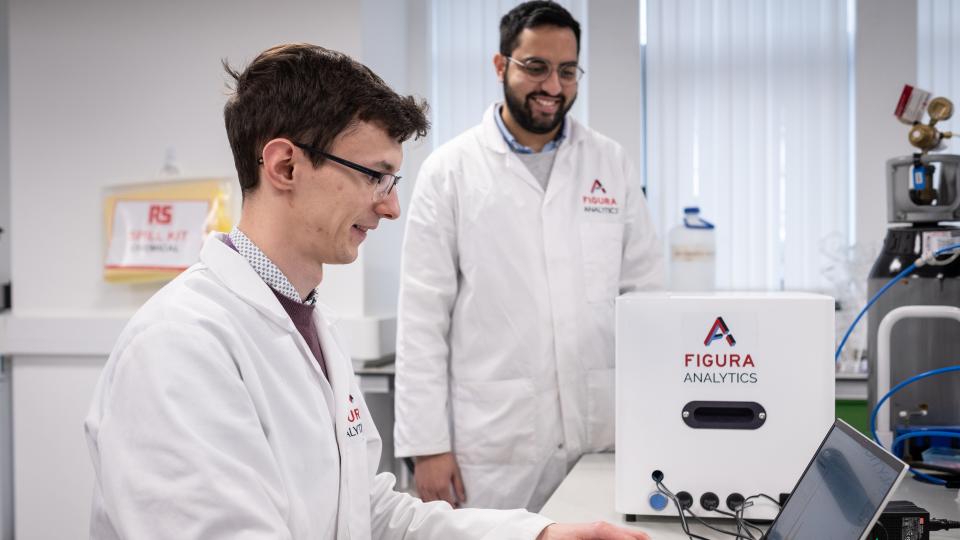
point(692, 253)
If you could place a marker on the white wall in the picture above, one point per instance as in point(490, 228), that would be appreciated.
point(613, 64)
point(400, 53)
point(99, 90)
point(886, 50)
point(6, 446)
point(4, 147)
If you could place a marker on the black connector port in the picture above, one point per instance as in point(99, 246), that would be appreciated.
point(709, 501)
point(734, 501)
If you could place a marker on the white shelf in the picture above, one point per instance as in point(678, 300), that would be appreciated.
point(94, 334)
point(851, 386)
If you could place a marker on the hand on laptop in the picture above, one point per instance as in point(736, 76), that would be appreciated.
point(598, 530)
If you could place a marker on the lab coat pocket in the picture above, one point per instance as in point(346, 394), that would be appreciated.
point(493, 421)
point(600, 409)
point(602, 250)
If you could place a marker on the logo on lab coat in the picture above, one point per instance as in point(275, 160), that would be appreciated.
point(355, 426)
point(598, 202)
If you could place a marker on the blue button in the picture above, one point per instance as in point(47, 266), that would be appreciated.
point(658, 501)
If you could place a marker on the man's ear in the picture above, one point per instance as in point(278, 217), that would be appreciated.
point(278, 156)
point(499, 64)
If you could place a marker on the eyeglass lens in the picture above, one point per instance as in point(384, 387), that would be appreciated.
point(540, 70)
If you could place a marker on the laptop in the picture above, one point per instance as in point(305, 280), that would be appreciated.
point(842, 492)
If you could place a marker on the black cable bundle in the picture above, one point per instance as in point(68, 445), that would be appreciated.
point(684, 509)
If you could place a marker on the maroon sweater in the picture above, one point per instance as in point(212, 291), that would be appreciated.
point(302, 316)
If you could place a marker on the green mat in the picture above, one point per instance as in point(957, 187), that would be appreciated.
point(855, 413)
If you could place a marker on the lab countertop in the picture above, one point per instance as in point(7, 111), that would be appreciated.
point(587, 494)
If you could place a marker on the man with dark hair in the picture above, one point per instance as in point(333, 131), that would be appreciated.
point(229, 407)
point(521, 233)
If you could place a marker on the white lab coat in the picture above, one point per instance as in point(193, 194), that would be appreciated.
point(212, 420)
point(506, 310)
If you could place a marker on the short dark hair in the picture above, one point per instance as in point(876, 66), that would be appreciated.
point(531, 15)
point(309, 94)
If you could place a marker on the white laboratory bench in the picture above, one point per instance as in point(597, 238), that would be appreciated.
point(587, 494)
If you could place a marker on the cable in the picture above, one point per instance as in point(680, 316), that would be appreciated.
point(743, 525)
point(740, 519)
point(745, 521)
point(719, 530)
point(658, 478)
point(683, 520)
point(931, 433)
point(942, 525)
point(765, 496)
point(906, 272)
point(747, 502)
point(895, 389)
point(935, 468)
point(946, 261)
point(930, 258)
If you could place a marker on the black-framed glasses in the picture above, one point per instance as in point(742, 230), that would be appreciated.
point(539, 70)
point(383, 182)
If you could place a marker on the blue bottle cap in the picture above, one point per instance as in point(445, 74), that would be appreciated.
point(691, 210)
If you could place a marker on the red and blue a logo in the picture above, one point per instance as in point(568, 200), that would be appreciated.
point(717, 331)
point(597, 185)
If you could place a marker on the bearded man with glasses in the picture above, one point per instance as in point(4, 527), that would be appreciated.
point(521, 233)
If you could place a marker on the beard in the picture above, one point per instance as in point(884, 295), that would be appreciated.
point(520, 110)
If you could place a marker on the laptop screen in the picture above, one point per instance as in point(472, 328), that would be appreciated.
point(842, 491)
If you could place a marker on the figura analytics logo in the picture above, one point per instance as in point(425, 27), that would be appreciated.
point(717, 331)
point(598, 201)
point(719, 367)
